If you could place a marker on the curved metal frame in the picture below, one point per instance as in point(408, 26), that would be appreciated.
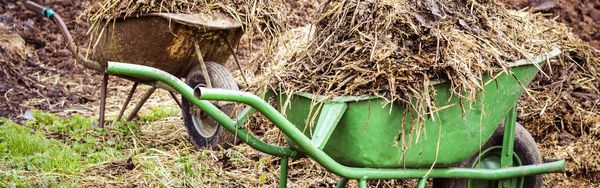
point(201, 97)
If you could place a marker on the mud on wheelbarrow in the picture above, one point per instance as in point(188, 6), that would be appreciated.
point(190, 46)
point(478, 145)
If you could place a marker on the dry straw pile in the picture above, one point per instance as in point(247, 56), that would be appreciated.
point(395, 49)
point(13, 53)
point(261, 16)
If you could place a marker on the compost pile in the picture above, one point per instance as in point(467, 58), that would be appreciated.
point(567, 112)
point(565, 117)
point(583, 16)
point(396, 49)
point(261, 16)
point(564, 113)
point(12, 52)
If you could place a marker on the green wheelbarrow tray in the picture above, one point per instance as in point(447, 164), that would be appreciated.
point(370, 132)
point(349, 164)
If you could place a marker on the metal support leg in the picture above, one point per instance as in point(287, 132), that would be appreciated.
point(141, 103)
point(422, 183)
point(362, 183)
point(175, 98)
point(283, 171)
point(237, 62)
point(342, 183)
point(202, 65)
point(508, 141)
point(131, 92)
point(103, 89)
point(508, 144)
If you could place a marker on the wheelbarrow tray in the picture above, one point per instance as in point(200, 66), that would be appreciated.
point(166, 41)
point(370, 132)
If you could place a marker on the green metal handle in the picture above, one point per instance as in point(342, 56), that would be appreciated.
point(304, 142)
point(366, 173)
point(132, 70)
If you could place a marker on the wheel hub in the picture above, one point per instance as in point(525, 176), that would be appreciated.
point(205, 129)
point(490, 159)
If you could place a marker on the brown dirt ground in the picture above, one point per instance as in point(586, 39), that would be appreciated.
point(52, 83)
point(49, 79)
point(582, 15)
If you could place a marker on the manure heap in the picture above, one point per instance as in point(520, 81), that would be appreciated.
point(396, 49)
point(261, 16)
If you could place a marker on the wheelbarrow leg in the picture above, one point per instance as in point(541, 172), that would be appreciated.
point(283, 172)
point(422, 183)
point(103, 89)
point(141, 103)
point(202, 65)
point(342, 183)
point(175, 98)
point(131, 92)
point(362, 183)
point(508, 145)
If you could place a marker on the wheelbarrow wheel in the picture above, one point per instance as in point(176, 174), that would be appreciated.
point(203, 131)
point(526, 153)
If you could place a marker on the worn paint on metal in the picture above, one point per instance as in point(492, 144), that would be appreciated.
point(182, 44)
point(161, 43)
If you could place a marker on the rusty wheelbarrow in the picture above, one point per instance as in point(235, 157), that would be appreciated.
point(194, 47)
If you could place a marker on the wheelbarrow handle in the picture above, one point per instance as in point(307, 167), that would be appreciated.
point(313, 151)
point(50, 14)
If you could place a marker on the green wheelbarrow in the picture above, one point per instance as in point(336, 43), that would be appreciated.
point(362, 138)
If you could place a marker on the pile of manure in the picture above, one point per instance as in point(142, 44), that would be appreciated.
point(264, 18)
point(396, 49)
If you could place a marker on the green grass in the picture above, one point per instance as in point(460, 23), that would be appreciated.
point(53, 151)
point(57, 150)
point(157, 113)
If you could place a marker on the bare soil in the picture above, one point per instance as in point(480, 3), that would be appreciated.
point(583, 16)
point(48, 78)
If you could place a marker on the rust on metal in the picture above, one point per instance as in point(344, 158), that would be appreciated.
point(141, 103)
point(202, 65)
point(175, 98)
point(166, 41)
point(103, 99)
point(131, 92)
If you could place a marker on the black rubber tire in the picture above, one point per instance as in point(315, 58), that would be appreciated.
point(220, 78)
point(525, 147)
